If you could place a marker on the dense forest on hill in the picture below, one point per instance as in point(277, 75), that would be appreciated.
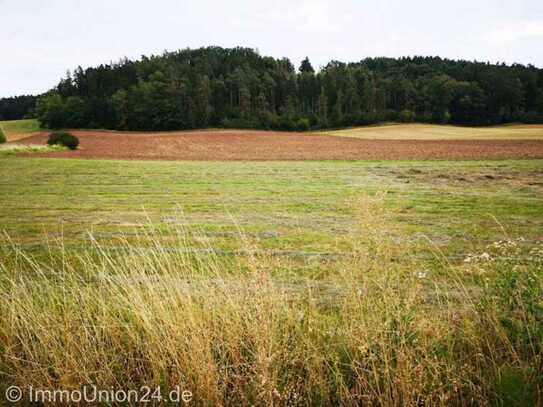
point(18, 107)
point(216, 87)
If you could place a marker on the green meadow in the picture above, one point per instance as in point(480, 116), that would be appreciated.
point(17, 128)
point(275, 283)
point(294, 207)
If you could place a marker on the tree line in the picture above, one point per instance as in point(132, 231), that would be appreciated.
point(18, 107)
point(217, 87)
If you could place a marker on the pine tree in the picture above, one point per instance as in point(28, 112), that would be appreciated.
point(338, 109)
point(323, 109)
point(306, 67)
point(204, 109)
point(244, 100)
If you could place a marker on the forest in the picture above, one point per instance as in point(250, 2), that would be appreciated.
point(18, 107)
point(218, 87)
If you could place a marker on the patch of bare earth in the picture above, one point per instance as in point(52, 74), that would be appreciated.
point(260, 145)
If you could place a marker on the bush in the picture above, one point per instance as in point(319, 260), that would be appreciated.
point(63, 139)
point(302, 125)
point(367, 118)
point(287, 123)
point(54, 138)
point(2, 136)
point(270, 121)
point(407, 116)
point(390, 115)
point(241, 123)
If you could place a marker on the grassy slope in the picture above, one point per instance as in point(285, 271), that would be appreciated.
point(291, 207)
point(17, 129)
point(441, 132)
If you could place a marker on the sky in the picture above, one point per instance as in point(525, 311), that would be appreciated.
point(41, 40)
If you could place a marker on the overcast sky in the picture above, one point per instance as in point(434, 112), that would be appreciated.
point(40, 40)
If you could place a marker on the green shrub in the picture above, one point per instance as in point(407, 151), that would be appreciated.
point(407, 116)
point(269, 120)
point(63, 139)
point(2, 136)
point(54, 138)
point(302, 124)
point(287, 123)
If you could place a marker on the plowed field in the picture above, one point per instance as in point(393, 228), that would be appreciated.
point(260, 145)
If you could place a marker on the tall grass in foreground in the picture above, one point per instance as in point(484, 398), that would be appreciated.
point(380, 331)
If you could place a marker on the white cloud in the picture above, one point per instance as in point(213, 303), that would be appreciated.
point(510, 33)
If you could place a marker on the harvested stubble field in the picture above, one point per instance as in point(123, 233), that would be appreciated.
point(248, 145)
point(417, 131)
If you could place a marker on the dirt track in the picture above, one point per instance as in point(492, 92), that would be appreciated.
point(257, 145)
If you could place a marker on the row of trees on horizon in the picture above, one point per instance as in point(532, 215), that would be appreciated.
point(217, 87)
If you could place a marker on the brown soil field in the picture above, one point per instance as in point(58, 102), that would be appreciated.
point(249, 145)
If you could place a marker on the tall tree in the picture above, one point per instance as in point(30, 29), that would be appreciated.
point(306, 67)
point(323, 109)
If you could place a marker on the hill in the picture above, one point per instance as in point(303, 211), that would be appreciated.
point(217, 87)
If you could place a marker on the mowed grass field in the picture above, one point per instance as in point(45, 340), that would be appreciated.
point(277, 282)
point(292, 207)
point(18, 129)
